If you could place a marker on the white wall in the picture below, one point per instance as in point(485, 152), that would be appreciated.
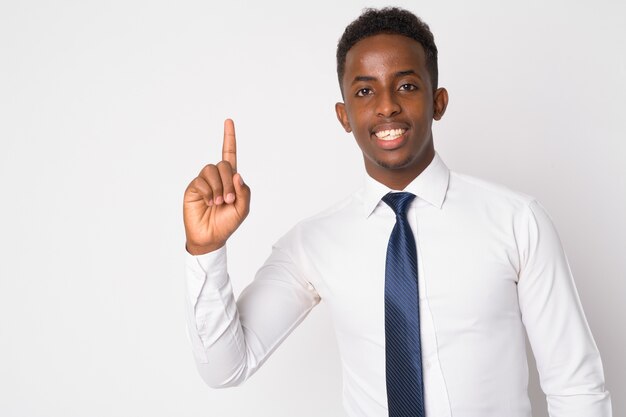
point(108, 109)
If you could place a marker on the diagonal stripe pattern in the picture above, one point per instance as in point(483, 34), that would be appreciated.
point(405, 394)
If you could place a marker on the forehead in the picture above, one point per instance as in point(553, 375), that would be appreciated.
point(385, 52)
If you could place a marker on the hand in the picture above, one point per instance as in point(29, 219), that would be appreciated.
point(217, 201)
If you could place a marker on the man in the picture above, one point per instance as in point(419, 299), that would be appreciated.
point(431, 276)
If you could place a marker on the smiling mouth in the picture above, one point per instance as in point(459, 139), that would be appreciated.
point(390, 134)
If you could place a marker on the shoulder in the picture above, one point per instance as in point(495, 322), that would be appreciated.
point(324, 223)
point(333, 215)
point(482, 191)
point(521, 211)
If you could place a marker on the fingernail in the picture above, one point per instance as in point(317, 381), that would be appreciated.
point(230, 197)
point(209, 203)
point(219, 200)
point(240, 180)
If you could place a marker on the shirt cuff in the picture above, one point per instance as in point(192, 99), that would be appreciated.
point(207, 270)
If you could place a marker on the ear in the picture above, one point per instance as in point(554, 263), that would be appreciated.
point(440, 102)
point(342, 116)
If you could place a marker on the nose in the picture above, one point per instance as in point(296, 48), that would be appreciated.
point(387, 105)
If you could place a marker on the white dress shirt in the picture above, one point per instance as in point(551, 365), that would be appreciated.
point(490, 266)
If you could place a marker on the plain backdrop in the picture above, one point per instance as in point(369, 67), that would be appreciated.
point(108, 109)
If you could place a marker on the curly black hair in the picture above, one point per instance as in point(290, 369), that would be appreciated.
point(389, 20)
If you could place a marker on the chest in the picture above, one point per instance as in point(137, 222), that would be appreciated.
point(467, 270)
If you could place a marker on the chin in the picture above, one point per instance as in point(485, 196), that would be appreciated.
point(392, 165)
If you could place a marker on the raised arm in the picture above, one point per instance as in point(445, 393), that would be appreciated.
point(230, 340)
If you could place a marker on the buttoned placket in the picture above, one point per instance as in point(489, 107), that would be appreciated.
point(436, 392)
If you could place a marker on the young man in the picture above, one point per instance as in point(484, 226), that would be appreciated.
point(432, 277)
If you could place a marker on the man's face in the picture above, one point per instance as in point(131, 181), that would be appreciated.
point(389, 106)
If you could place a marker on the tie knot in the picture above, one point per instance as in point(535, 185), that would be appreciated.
point(399, 202)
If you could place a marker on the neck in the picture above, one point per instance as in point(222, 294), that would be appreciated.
point(399, 178)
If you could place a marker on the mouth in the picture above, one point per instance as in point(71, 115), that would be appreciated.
point(389, 134)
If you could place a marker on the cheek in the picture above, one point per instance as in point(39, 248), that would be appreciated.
point(362, 137)
point(358, 120)
point(359, 114)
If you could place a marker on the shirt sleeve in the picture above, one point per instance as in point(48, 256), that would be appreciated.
point(231, 339)
point(568, 361)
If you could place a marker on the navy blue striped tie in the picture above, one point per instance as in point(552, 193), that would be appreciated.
point(405, 394)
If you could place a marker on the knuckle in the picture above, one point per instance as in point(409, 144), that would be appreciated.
point(211, 175)
point(224, 165)
point(208, 171)
point(208, 167)
point(197, 184)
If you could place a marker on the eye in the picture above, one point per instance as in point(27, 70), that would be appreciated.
point(363, 92)
point(407, 87)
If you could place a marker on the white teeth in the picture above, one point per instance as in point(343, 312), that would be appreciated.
point(390, 134)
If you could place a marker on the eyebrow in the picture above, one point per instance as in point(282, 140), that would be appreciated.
point(363, 78)
point(398, 74)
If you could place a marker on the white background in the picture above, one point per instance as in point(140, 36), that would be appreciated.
point(108, 109)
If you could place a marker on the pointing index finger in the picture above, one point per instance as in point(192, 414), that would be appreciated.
point(229, 148)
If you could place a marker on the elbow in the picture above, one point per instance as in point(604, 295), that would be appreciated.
point(218, 379)
point(221, 383)
point(225, 361)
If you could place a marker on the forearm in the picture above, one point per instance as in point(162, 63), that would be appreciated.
point(215, 332)
point(231, 340)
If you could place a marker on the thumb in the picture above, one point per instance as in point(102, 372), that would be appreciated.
point(242, 194)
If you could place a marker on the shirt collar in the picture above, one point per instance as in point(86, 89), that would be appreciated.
point(430, 185)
